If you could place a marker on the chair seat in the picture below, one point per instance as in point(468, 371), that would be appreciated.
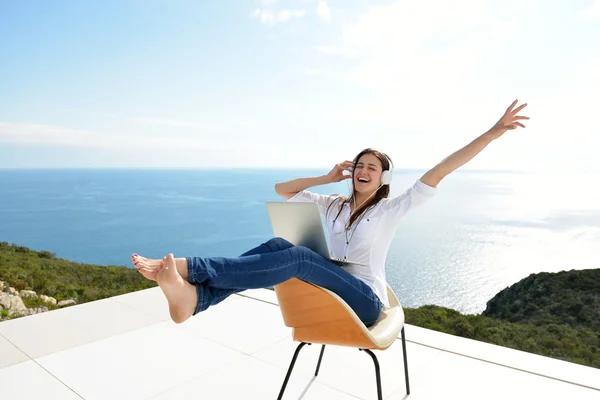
point(320, 316)
point(388, 326)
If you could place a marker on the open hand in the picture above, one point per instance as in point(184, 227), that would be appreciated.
point(337, 173)
point(509, 121)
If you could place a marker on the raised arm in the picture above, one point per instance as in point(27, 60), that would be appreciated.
point(290, 188)
point(509, 121)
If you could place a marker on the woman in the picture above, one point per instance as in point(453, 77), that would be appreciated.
point(361, 228)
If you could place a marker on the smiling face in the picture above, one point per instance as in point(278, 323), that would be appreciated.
point(367, 174)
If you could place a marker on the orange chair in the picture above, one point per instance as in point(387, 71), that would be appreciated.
point(319, 316)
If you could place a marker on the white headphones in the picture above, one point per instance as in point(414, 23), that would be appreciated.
point(386, 176)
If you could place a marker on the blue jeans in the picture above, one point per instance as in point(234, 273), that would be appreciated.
point(272, 263)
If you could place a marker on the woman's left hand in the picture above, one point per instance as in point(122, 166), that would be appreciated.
point(510, 120)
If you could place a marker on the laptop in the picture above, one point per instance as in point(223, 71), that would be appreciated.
point(300, 224)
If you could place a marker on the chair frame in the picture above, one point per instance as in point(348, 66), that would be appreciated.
point(369, 352)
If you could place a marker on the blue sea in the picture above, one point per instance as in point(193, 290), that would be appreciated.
point(483, 232)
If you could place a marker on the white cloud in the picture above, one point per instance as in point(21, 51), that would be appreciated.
point(592, 12)
point(323, 11)
point(286, 15)
point(439, 73)
point(408, 54)
point(176, 123)
point(38, 134)
point(313, 71)
point(429, 55)
point(271, 17)
point(405, 25)
point(337, 51)
point(92, 113)
point(264, 16)
point(326, 72)
point(48, 135)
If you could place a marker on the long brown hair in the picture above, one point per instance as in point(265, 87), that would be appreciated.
point(382, 192)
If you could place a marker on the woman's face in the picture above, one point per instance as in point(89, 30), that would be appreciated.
point(367, 174)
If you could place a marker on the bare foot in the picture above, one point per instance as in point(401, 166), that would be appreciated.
point(148, 268)
point(151, 265)
point(180, 294)
point(136, 258)
point(150, 273)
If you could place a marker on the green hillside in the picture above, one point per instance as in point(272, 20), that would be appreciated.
point(43, 273)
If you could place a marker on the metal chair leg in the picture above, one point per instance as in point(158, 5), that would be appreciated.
point(320, 358)
point(377, 374)
point(369, 352)
point(289, 372)
point(405, 362)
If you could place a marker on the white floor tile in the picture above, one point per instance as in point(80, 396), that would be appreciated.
point(9, 354)
point(245, 325)
point(426, 337)
point(49, 332)
point(148, 301)
point(348, 369)
point(28, 381)
point(451, 376)
point(251, 379)
point(137, 364)
point(545, 366)
point(152, 302)
point(517, 359)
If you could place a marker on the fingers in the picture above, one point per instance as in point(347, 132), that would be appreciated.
point(515, 125)
point(522, 106)
point(509, 109)
point(514, 103)
point(346, 165)
point(519, 117)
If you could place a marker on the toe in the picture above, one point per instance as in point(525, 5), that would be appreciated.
point(170, 259)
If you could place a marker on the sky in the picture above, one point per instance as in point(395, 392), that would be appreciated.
point(296, 83)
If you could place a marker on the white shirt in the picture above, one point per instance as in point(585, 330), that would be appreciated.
point(368, 241)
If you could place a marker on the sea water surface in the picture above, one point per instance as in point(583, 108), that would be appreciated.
point(483, 232)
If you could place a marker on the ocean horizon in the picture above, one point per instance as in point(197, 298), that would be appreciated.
point(484, 231)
